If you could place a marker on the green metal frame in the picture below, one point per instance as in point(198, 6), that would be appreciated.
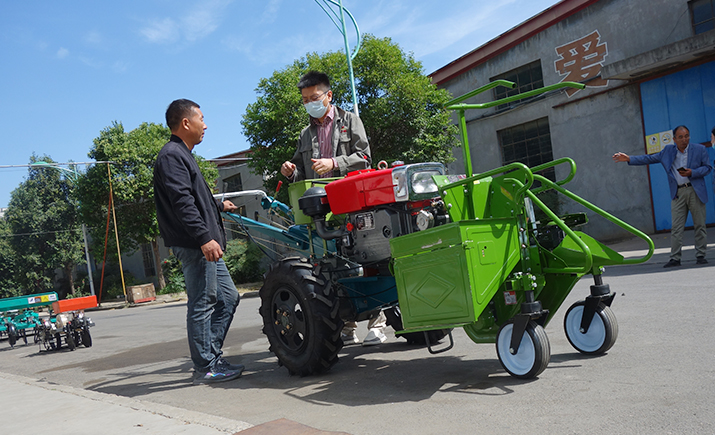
point(475, 273)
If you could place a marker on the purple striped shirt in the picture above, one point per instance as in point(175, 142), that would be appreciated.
point(325, 138)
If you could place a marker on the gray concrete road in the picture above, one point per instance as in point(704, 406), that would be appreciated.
point(659, 378)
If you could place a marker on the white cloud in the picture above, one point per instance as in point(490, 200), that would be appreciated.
point(427, 36)
point(94, 38)
point(161, 32)
point(120, 66)
point(90, 62)
point(271, 11)
point(263, 50)
point(198, 22)
point(62, 53)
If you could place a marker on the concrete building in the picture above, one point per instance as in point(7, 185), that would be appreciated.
point(235, 176)
point(649, 65)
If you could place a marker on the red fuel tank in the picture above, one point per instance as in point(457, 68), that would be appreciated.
point(361, 190)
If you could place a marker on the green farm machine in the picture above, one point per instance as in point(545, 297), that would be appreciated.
point(435, 252)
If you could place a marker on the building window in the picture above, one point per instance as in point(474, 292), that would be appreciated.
point(148, 258)
point(527, 78)
point(702, 13)
point(233, 184)
point(528, 143)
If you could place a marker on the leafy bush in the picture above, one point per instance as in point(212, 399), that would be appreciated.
point(243, 260)
point(173, 276)
point(112, 287)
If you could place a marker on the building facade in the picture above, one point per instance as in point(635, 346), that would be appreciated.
point(649, 65)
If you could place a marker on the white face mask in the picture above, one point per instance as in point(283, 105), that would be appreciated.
point(316, 109)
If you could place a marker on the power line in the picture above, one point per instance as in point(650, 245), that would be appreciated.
point(29, 165)
point(39, 232)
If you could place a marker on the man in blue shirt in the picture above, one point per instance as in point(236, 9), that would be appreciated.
point(686, 165)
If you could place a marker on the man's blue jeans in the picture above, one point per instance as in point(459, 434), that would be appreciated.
point(213, 299)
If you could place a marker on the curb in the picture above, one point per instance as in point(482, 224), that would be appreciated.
point(187, 416)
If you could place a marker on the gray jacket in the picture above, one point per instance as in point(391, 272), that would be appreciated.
point(351, 150)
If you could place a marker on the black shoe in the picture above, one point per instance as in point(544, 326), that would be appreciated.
point(673, 263)
point(701, 260)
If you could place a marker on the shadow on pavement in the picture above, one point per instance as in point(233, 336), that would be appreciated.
point(362, 377)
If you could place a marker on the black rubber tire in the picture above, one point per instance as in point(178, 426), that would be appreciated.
point(394, 319)
point(86, 337)
point(534, 351)
point(58, 341)
point(601, 335)
point(300, 317)
point(11, 336)
point(70, 341)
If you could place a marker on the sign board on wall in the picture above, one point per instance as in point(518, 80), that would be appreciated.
point(657, 141)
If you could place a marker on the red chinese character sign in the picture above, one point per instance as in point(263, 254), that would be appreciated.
point(581, 60)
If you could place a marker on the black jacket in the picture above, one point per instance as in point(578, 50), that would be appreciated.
point(186, 210)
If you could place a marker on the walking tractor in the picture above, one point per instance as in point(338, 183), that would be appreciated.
point(435, 252)
point(18, 315)
point(66, 320)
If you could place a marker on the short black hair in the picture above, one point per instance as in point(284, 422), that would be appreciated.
point(312, 78)
point(713, 132)
point(178, 110)
point(675, 130)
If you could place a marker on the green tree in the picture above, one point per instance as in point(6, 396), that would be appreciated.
point(403, 112)
point(44, 221)
point(133, 155)
point(8, 283)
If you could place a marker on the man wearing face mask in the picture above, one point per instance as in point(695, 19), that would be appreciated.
point(334, 143)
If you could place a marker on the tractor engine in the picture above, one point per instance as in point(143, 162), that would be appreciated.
point(378, 205)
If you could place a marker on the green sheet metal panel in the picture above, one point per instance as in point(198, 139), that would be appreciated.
point(448, 274)
point(493, 252)
point(433, 288)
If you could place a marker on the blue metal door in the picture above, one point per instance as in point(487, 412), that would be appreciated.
point(684, 98)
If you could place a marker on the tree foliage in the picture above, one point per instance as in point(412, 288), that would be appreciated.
point(132, 155)
point(8, 284)
point(403, 112)
point(43, 219)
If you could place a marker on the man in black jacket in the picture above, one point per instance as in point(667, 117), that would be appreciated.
point(190, 223)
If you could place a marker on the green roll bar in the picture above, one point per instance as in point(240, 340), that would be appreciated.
point(455, 104)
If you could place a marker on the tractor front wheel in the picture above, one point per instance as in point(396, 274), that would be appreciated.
point(301, 319)
point(601, 334)
point(534, 351)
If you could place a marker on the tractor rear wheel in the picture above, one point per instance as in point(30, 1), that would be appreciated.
point(301, 319)
point(394, 319)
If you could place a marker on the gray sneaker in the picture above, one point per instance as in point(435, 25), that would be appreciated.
point(225, 365)
point(219, 373)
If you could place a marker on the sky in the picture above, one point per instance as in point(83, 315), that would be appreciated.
point(69, 69)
